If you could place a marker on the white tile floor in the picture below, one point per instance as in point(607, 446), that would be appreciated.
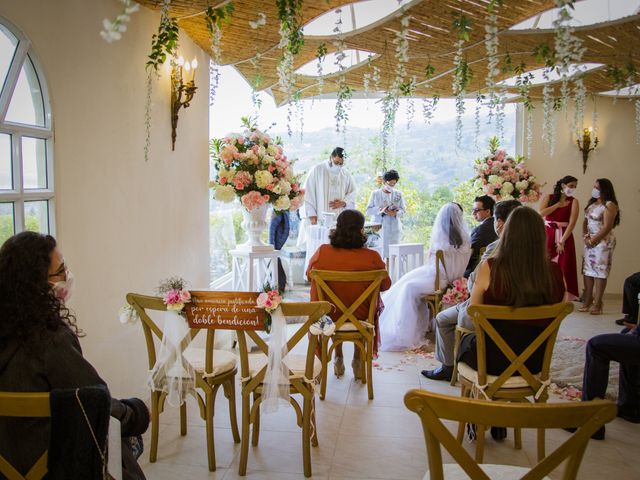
point(362, 439)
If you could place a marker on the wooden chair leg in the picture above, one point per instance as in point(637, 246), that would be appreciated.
point(363, 358)
point(306, 434)
point(314, 426)
point(517, 438)
point(155, 426)
point(480, 431)
point(369, 365)
point(183, 419)
point(325, 366)
point(255, 431)
point(230, 391)
point(541, 442)
point(244, 445)
point(464, 392)
point(456, 345)
point(211, 449)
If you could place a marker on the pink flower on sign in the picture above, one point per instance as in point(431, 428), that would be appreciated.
point(269, 300)
point(185, 295)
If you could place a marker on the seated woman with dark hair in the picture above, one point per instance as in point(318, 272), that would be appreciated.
point(40, 351)
point(346, 252)
point(519, 273)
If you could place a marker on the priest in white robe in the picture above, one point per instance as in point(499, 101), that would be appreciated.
point(329, 188)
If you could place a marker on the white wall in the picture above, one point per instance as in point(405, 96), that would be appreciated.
point(122, 223)
point(617, 158)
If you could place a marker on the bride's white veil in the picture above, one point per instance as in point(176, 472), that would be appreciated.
point(449, 229)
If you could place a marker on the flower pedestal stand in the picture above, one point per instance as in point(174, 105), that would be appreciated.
point(254, 224)
point(251, 270)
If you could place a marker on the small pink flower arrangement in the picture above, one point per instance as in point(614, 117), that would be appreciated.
point(504, 177)
point(457, 292)
point(253, 167)
point(270, 300)
point(174, 293)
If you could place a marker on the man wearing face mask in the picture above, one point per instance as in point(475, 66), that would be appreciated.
point(386, 206)
point(560, 211)
point(447, 320)
point(329, 188)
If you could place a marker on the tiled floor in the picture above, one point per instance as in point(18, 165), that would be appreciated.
point(378, 439)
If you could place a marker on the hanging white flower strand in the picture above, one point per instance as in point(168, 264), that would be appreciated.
point(344, 91)
point(113, 29)
point(547, 112)
point(491, 43)
point(462, 73)
point(580, 94)
point(411, 106)
point(479, 98)
point(320, 55)
point(286, 74)
point(568, 47)
point(529, 132)
point(594, 117)
point(429, 108)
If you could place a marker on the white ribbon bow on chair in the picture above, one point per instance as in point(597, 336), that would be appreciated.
point(275, 390)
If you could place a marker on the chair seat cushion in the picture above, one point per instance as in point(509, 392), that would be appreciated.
point(296, 364)
point(350, 327)
point(470, 374)
point(453, 471)
point(223, 361)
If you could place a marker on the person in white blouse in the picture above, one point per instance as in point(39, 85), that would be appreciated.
point(386, 206)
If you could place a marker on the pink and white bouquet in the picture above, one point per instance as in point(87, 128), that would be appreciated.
point(174, 293)
point(457, 292)
point(254, 168)
point(270, 300)
point(504, 177)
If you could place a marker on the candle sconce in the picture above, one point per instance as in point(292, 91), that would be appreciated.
point(585, 147)
point(181, 92)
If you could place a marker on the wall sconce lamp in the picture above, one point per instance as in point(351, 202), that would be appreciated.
point(585, 147)
point(180, 88)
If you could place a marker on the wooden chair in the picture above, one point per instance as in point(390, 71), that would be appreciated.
point(348, 327)
point(304, 370)
point(516, 383)
point(213, 368)
point(29, 405)
point(459, 333)
point(36, 405)
point(434, 300)
point(587, 417)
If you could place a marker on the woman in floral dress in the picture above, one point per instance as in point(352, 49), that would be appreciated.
point(560, 211)
point(601, 217)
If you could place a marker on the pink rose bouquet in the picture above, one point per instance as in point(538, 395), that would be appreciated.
point(457, 292)
point(174, 293)
point(253, 167)
point(504, 177)
point(270, 299)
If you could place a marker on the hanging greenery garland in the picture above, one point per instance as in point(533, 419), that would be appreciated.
point(568, 47)
point(344, 94)
point(409, 90)
point(524, 80)
point(113, 29)
point(491, 46)
point(213, 18)
point(462, 73)
point(163, 44)
point(429, 108)
point(579, 98)
point(479, 100)
point(321, 54)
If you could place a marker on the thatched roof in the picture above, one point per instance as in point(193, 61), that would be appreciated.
point(431, 42)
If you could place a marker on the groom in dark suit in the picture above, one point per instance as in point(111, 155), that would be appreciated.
point(483, 234)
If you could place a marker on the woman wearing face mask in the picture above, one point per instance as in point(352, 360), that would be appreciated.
point(601, 216)
point(386, 206)
point(40, 351)
point(560, 212)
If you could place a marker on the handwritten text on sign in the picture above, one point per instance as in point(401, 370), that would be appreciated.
point(225, 310)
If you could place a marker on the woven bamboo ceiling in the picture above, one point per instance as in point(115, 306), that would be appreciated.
point(431, 42)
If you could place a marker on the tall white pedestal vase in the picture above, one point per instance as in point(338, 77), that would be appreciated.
point(254, 224)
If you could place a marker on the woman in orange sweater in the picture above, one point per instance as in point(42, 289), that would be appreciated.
point(346, 253)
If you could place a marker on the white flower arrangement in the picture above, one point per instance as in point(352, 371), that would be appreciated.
point(113, 29)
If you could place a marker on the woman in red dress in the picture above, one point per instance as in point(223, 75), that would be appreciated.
point(560, 211)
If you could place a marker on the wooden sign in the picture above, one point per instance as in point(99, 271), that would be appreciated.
point(225, 311)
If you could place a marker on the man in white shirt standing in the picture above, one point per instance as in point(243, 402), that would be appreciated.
point(329, 188)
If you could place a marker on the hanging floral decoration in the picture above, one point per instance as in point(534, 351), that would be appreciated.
point(476, 116)
point(113, 29)
point(256, 99)
point(163, 44)
point(429, 108)
point(568, 46)
point(344, 94)
point(504, 177)
point(579, 99)
point(321, 54)
point(409, 90)
point(462, 73)
point(491, 43)
point(213, 19)
point(254, 168)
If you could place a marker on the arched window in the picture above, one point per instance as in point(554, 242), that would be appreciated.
point(26, 139)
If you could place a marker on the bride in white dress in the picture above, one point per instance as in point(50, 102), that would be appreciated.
point(406, 318)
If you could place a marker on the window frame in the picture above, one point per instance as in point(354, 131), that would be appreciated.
point(18, 195)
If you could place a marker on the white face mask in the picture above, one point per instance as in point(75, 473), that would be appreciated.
point(64, 288)
point(388, 188)
point(568, 191)
point(335, 168)
point(595, 193)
